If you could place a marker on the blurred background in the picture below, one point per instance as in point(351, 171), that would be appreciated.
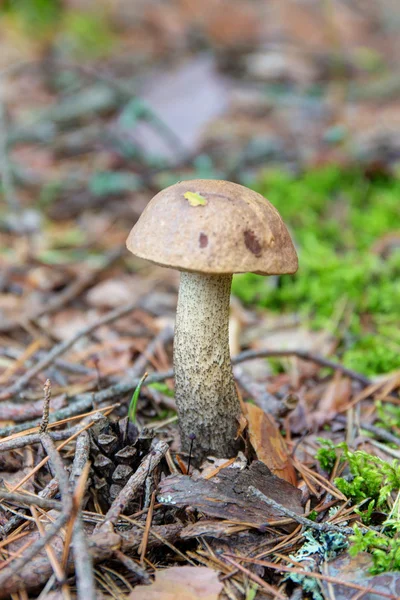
point(105, 102)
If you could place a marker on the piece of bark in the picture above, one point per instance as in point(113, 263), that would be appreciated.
point(226, 496)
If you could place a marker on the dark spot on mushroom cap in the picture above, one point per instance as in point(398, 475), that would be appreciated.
point(203, 240)
point(252, 243)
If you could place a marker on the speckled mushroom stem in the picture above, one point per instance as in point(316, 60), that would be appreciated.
point(208, 405)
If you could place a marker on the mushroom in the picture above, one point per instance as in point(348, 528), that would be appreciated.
point(209, 230)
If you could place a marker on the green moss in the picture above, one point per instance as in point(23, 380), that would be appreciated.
point(371, 478)
point(370, 483)
point(326, 454)
point(384, 548)
point(335, 218)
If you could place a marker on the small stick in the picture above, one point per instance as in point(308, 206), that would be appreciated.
point(321, 527)
point(309, 356)
point(377, 431)
point(328, 578)
point(57, 568)
point(149, 517)
point(271, 590)
point(73, 290)
point(18, 499)
point(140, 364)
point(61, 348)
point(46, 407)
point(133, 485)
point(34, 438)
point(33, 551)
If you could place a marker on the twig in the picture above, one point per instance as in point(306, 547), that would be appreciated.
point(319, 360)
point(84, 402)
point(269, 588)
point(140, 364)
point(46, 407)
point(34, 438)
point(25, 499)
point(328, 578)
point(81, 458)
point(55, 564)
point(83, 560)
point(321, 527)
point(377, 431)
point(133, 485)
point(14, 569)
point(20, 412)
point(59, 349)
point(132, 566)
point(83, 281)
point(83, 564)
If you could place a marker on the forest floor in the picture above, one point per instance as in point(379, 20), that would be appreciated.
point(98, 111)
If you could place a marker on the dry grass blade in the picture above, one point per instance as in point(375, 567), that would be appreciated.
point(60, 447)
point(266, 586)
point(32, 552)
point(59, 571)
point(143, 544)
point(61, 348)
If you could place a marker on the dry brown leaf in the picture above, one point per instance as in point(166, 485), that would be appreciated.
point(186, 583)
point(269, 444)
point(336, 396)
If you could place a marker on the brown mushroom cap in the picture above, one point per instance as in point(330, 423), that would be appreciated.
point(210, 226)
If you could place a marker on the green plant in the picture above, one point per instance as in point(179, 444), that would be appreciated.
point(134, 400)
point(371, 478)
point(326, 454)
point(337, 217)
point(384, 548)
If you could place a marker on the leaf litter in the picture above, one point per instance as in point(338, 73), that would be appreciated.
point(81, 177)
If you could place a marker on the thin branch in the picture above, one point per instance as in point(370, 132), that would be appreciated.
point(134, 484)
point(83, 402)
point(58, 301)
point(380, 433)
point(25, 499)
point(61, 348)
point(321, 527)
point(17, 565)
point(309, 356)
point(321, 577)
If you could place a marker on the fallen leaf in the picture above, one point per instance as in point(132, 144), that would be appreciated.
point(186, 583)
point(195, 199)
point(336, 395)
point(268, 443)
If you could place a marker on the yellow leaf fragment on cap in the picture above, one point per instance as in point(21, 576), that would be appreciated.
point(195, 199)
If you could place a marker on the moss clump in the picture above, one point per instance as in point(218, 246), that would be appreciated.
point(336, 219)
point(383, 547)
point(372, 483)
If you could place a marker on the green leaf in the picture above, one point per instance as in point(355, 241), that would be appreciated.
point(134, 399)
point(195, 199)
